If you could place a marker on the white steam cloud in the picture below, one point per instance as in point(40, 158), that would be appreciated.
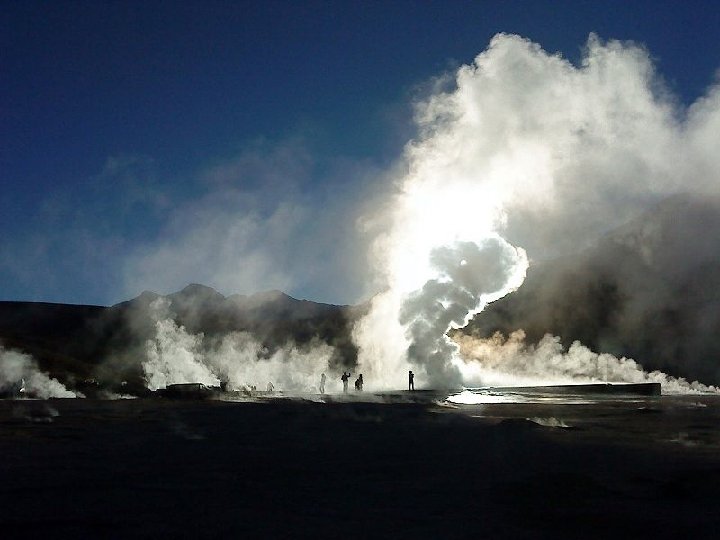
point(19, 375)
point(175, 356)
point(468, 277)
point(531, 151)
point(500, 361)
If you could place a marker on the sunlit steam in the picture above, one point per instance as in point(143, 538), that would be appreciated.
point(468, 276)
point(175, 356)
point(19, 375)
point(498, 361)
point(527, 150)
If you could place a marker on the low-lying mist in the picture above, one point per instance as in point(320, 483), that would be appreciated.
point(501, 361)
point(173, 355)
point(19, 374)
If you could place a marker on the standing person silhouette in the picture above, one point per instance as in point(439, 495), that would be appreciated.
point(359, 383)
point(322, 383)
point(345, 377)
point(411, 380)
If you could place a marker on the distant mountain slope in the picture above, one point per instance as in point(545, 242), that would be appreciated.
point(75, 343)
point(649, 290)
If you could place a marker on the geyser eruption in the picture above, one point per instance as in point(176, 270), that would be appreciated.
point(469, 276)
point(528, 150)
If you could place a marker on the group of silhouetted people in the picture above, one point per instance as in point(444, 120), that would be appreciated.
point(345, 378)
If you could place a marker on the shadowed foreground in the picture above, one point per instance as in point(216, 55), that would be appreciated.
point(288, 468)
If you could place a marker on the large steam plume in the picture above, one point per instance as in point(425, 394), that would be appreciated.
point(539, 153)
point(469, 275)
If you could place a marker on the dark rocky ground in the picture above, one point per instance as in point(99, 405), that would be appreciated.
point(295, 468)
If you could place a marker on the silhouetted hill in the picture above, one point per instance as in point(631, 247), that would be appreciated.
point(76, 343)
point(649, 290)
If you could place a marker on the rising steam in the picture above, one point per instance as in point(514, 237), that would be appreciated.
point(174, 356)
point(469, 275)
point(498, 361)
point(525, 150)
point(19, 375)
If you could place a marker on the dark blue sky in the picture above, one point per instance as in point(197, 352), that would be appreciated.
point(112, 113)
